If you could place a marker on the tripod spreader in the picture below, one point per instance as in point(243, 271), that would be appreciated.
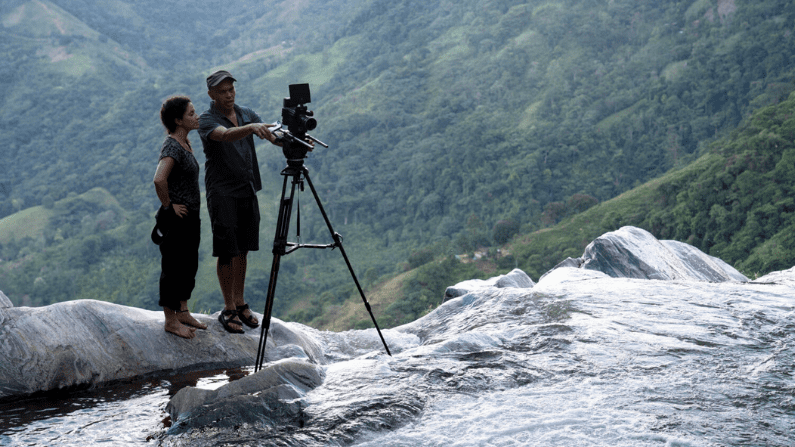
point(281, 247)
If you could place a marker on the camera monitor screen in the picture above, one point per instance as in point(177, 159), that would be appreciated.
point(299, 94)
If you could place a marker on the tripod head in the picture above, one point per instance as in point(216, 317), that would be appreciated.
point(293, 147)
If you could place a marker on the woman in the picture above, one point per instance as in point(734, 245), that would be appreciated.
point(177, 186)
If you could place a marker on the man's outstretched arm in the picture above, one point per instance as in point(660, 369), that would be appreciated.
point(261, 130)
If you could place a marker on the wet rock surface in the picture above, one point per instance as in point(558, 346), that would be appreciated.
point(582, 357)
point(84, 343)
point(269, 397)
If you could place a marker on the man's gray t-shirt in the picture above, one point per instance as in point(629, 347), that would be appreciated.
point(231, 168)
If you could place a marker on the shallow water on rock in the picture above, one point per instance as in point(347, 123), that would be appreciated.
point(123, 413)
point(579, 359)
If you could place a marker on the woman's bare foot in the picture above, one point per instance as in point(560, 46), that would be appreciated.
point(174, 326)
point(180, 330)
point(185, 317)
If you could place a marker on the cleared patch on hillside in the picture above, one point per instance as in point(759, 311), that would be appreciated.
point(29, 222)
point(42, 19)
point(353, 311)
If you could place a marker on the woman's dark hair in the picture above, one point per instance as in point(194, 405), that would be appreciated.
point(173, 109)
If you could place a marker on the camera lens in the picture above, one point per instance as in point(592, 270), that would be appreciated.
point(309, 123)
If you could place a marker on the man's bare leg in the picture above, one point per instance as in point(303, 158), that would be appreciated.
point(174, 326)
point(227, 277)
point(240, 283)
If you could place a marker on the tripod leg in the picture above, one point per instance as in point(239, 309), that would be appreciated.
point(279, 248)
point(266, 324)
point(338, 243)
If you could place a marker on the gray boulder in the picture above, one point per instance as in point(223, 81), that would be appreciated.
point(269, 397)
point(784, 277)
point(87, 342)
point(4, 301)
point(515, 278)
point(632, 252)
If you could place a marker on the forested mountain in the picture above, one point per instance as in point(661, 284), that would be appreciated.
point(736, 202)
point(452, 125)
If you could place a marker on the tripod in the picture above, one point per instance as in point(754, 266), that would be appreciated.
point(297, 172)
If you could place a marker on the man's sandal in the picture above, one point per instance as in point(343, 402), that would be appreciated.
point(225, 322)
point(249, 321)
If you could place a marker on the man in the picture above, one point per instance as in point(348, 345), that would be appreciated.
point(232, 179)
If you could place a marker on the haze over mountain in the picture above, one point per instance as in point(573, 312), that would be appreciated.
point(444, 119)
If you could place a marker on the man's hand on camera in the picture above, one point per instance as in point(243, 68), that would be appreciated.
point(276, 138)
point(262, 131)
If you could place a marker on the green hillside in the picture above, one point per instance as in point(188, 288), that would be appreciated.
point(454, 126)
point(735, 202)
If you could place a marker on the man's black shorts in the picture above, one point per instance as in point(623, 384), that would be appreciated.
point(235, 224)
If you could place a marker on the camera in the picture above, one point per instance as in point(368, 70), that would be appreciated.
point(298, 121)
point(295, 116)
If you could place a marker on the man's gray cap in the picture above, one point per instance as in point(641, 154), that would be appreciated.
point(216, 78)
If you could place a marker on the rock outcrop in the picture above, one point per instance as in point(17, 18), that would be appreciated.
point(4, 301)
point(498, 339)
point(270, 396)
point(515, 278)
point(632, 252)
point(783, 277)
point(86, 342)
